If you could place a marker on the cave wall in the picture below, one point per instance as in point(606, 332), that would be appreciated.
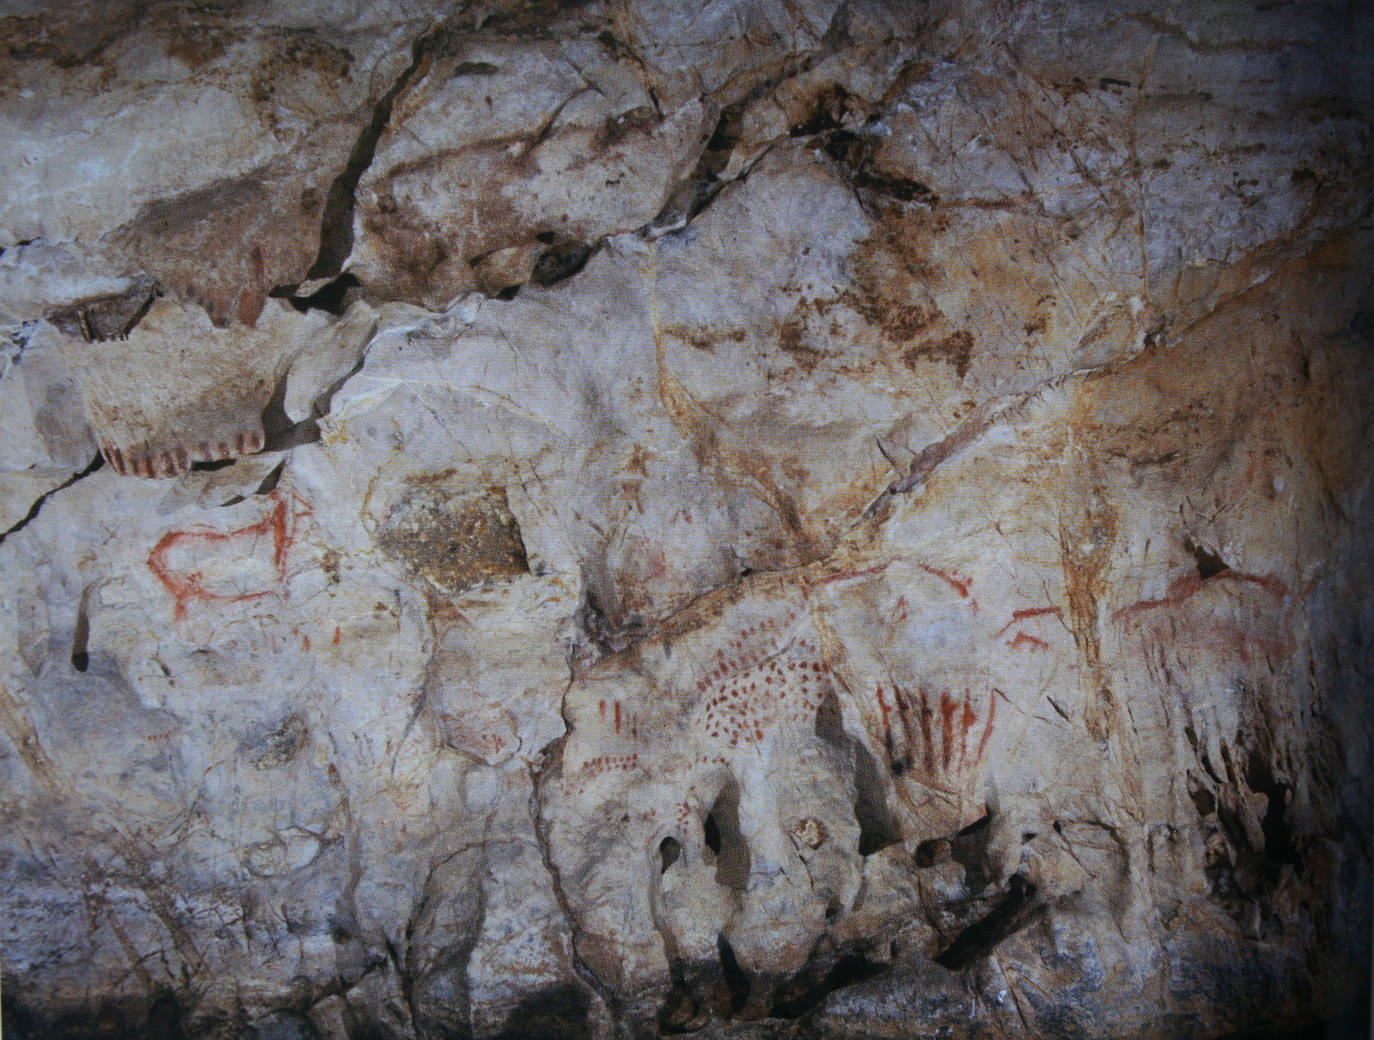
point(755, 518)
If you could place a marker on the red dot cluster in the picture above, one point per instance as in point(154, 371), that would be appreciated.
point(756, 685)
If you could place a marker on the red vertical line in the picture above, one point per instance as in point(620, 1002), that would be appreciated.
point(617, 716)
point(987, 729)
point(927, 737)
point(947, 707)
point(968, 720)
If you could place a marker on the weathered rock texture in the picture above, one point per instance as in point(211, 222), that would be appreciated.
point(764, 518)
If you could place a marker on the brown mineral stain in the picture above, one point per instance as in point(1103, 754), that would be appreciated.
point(954, 349)
point(457, 543)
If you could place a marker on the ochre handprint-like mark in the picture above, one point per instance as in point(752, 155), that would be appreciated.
point(934, 738)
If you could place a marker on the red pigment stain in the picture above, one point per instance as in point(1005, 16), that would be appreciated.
point(987, 728)
point(956, 581)
point(187, 586)
point(960, 585)
point(1186, 585)
point(948, 706)
point(927, 731)
point(967, 724)
point(336, 635)
point(617, 716)
point(1030, 612)
point(1022, 639)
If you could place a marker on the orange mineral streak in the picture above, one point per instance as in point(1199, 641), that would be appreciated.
point(186, 586)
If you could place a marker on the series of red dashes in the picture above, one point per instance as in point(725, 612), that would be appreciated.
point(589, 770)
point(758, 682)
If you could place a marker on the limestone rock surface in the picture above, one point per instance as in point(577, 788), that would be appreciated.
point(755, 519)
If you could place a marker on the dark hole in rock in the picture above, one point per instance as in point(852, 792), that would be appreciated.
point(336, 219)
point(712, 830)
point(970, 850)
point(474, 68)
point(1279, 845)
point(724, 838)
point(209, 467)
point(853, 153)
point(827, 113)
point(510, 292)
point(736, 980)
point(81, 660)
point(928, 853)
point(669, 849)
point(109, 1022)
point(332, 297)
point(554, 1013)
point(1208, 565)
point(877, 828)
point(723, 139)
point(681, 1011)
point(561, 262)
point(269, 482)
point(1012, 913)
point(1203, 799)
point(164, 1020)
point(851, 968)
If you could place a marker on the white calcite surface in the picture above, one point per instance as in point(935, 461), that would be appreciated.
point(762, 520)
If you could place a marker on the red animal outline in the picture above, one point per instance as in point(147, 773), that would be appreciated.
point(184, 586)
